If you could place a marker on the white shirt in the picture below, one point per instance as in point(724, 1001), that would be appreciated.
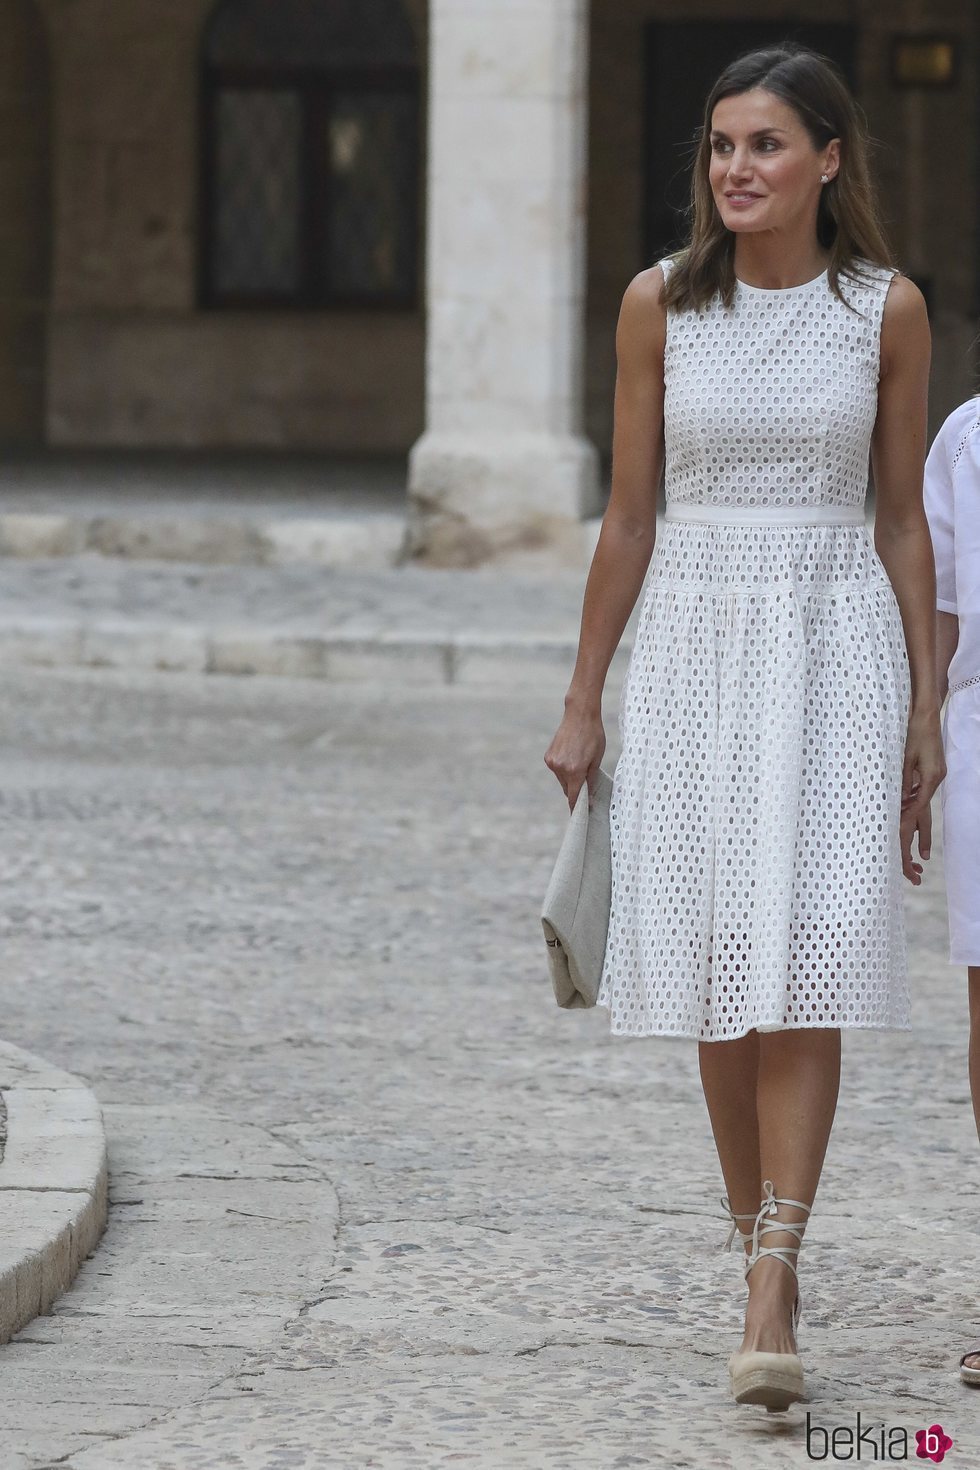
point(952, 502)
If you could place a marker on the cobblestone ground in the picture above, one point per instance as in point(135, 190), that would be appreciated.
point(375, 1200)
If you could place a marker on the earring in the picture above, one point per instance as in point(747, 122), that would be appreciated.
point(825, 178)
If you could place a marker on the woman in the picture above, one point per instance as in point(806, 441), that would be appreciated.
point(780, 727)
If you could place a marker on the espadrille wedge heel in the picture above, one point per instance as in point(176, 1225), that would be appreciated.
point(774, 1380)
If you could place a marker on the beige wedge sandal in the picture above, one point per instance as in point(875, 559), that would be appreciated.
point(970, 1374)
point(772, 1379)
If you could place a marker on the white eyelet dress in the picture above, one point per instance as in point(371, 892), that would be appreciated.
point(757, 879)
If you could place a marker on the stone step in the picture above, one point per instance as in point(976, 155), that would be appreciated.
point(467, 657)
point(53, 1184)
point(370, 541)
point(404, 625)
point(214, 509)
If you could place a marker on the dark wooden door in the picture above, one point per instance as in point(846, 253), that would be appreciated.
point(683, 60)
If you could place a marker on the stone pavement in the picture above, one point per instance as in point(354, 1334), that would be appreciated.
point(374, 1200)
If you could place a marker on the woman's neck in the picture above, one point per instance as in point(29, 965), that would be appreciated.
point(777, 264)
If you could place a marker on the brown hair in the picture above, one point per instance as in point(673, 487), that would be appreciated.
point(848, 223)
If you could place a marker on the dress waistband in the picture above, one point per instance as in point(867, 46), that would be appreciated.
point(964, 683)
point(767, 515)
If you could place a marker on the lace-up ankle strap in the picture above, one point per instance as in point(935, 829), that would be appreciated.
point(765, 1225)
point(726, 1206)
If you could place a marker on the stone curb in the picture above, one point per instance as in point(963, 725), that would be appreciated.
point(53, 1185)
point(375, 541)
point(422, 658)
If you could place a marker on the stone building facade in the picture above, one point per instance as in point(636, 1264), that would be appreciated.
point(551, 139)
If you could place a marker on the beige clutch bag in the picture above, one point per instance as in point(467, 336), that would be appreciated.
point(575, 915)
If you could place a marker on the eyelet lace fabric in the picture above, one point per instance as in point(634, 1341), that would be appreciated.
point(757, 878)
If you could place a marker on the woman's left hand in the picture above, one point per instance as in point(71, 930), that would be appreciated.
point(923, 771)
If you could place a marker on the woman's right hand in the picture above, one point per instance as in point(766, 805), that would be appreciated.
point(576, 751)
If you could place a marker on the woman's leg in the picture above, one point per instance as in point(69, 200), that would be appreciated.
point(799, 1081)
point(730, 1078)
point(772, 1100)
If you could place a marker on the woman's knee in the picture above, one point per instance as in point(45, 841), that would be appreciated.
point(801, 1041)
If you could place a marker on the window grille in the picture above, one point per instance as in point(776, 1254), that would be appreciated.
point(311, 154)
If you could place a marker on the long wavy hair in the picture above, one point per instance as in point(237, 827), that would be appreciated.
point(848, 223)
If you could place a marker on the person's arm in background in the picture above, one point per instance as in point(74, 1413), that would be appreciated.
point(939, 506)
point(903, 543)
point(628, 534)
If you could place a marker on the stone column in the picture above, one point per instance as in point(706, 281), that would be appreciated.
point(503, 467)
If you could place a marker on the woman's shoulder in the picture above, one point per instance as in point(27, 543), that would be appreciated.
point(897, 299)
point(858, 272)
point(644, 296)
point(648, 284)
point(642, 327)
point(871, 272)
point(904, 317)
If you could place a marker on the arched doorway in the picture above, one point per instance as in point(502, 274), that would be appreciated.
point(25, 222)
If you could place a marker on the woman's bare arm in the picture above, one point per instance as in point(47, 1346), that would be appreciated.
point(903, 543)
point(628, 532)
point(629, 525)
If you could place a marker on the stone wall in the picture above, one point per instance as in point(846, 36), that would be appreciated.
point(241, 379)
point(926, 169)
point(133, 361)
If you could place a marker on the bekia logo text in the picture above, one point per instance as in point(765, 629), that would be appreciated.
point(874, 1443)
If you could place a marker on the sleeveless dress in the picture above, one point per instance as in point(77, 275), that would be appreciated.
point(757, 877)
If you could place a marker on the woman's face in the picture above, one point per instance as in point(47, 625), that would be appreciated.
point(764, 170)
